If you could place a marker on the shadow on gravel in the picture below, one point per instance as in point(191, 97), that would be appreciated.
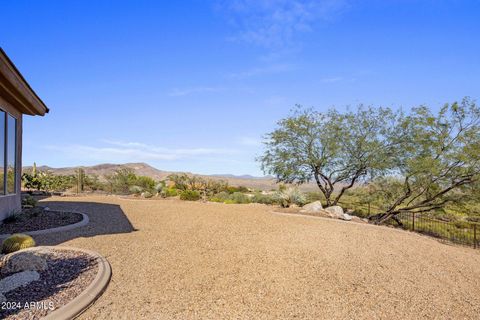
point(104, 219)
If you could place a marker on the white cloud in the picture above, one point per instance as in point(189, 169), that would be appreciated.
point(275, 23)
point(188, 91)
point(118, 151)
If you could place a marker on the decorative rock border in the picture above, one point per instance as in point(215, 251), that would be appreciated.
point(82, 223)
point(94, 290)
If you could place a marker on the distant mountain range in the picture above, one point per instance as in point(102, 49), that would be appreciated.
point(144, 169)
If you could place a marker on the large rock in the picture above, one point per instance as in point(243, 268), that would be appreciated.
point(25, 260)
point(18, 280)
point(346, 217)
point(312, 207)
point(336, 212)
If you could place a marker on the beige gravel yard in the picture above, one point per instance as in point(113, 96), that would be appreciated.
point(190, 260)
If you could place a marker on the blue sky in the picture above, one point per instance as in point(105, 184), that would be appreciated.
point(193, 85)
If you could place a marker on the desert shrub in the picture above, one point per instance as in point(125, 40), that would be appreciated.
point(215, 186)
point(258, 197)
point(17, 242)
point(147, 194)
point(159, 187)
point(47, 181)
point(121, 180)
point(92, 182)
point(145, 182)
point(289, 196)
point(31, 181)
point(220, 197)
point(314, 196)
point(232, 189)
point(169, 192)
point(190, 195)
point(29, 201)
point(207, 187)
point(473, 219)
point(136, 190)
point(181, 181)
point(238, 197)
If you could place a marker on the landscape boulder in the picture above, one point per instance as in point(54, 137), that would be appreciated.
point(336, 212)
point(312, 207)
point(25, 260)
point(18, 280)
point(359, 220)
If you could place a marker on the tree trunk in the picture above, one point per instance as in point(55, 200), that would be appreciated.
point(380, 218)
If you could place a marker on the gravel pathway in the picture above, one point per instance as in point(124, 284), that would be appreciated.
point(192, 260)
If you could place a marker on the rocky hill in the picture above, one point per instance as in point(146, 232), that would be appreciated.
point(144, 169)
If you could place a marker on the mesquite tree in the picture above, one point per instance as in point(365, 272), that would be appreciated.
point(336, 150)
point(437, 158)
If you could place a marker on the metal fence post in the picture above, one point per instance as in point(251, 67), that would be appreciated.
point(413, 221)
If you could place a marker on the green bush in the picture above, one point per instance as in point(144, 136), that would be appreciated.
point(289, 196)
point(169, 192)
point(238, 197)
point(136, 190)
point(220, 197)
point(264, 198)
point(17, 242)
point(147, 194)
point(190, 195)
point(29, 201)
point(160, 186)
point(473, 219)
point(232, 189)
point(146, 183)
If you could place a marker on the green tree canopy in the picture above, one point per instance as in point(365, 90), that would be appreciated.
point(336, 150)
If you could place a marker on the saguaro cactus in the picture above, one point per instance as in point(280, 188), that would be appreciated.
point(80, 179)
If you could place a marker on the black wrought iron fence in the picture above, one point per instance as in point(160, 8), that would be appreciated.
point(460, 232)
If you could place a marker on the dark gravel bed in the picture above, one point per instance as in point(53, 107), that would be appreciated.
point(39, 219)
point(67, 275)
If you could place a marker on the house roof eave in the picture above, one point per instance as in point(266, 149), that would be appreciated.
point(16, 90)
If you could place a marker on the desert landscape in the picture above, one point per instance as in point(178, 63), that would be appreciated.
point(175, 260)
point(241, 159)
point(265, 183)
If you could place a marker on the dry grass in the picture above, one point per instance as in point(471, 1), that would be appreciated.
point(191, 260)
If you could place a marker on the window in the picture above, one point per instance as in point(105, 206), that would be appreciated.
point(2, 152)
point(8, 153)
point(11, 153)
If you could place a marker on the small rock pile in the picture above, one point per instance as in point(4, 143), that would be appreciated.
point(19, 269)
point(335, 212)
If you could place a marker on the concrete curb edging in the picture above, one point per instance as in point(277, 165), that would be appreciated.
point(79, 224)
point(85, 299)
